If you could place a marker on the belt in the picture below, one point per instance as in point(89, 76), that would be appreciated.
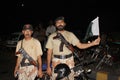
point(63, 56)
point(25, 64)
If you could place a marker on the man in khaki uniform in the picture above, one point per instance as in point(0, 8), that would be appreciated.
point(64, 55)
point(26, 70)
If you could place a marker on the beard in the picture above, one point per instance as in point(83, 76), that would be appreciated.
point(60, 28)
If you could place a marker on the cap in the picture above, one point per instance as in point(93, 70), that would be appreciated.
point(59, 18)
point(28, 26)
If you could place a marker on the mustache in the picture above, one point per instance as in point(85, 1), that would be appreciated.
point(60, 26)
point(27, 34)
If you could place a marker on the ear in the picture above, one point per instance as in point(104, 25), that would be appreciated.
point(64, 24)
point(23, 31)
point(32, 32)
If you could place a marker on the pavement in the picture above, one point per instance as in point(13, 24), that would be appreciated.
point(8, 60)
point(7, 63)
point(7, 66)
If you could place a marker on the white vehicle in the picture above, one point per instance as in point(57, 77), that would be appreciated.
point(13, 39)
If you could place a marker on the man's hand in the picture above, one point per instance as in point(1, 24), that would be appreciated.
point(15, 73)
point(96, 41)
point(49, 72)
point(40, 74)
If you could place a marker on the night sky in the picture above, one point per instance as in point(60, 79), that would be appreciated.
point(78, 14)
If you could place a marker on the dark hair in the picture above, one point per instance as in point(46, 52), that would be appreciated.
point(59, 18)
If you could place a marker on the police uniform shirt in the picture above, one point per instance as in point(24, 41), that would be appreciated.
point(32, 47)
point(55, 43)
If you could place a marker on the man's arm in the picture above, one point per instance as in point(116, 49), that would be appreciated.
point(39, 62)
point(87, 45)
point(40, 66)
point(49, 55)
point(17, 65)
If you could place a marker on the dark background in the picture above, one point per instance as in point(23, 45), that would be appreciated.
point(78, 14)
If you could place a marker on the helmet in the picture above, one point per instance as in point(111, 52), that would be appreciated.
point(62, 71)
